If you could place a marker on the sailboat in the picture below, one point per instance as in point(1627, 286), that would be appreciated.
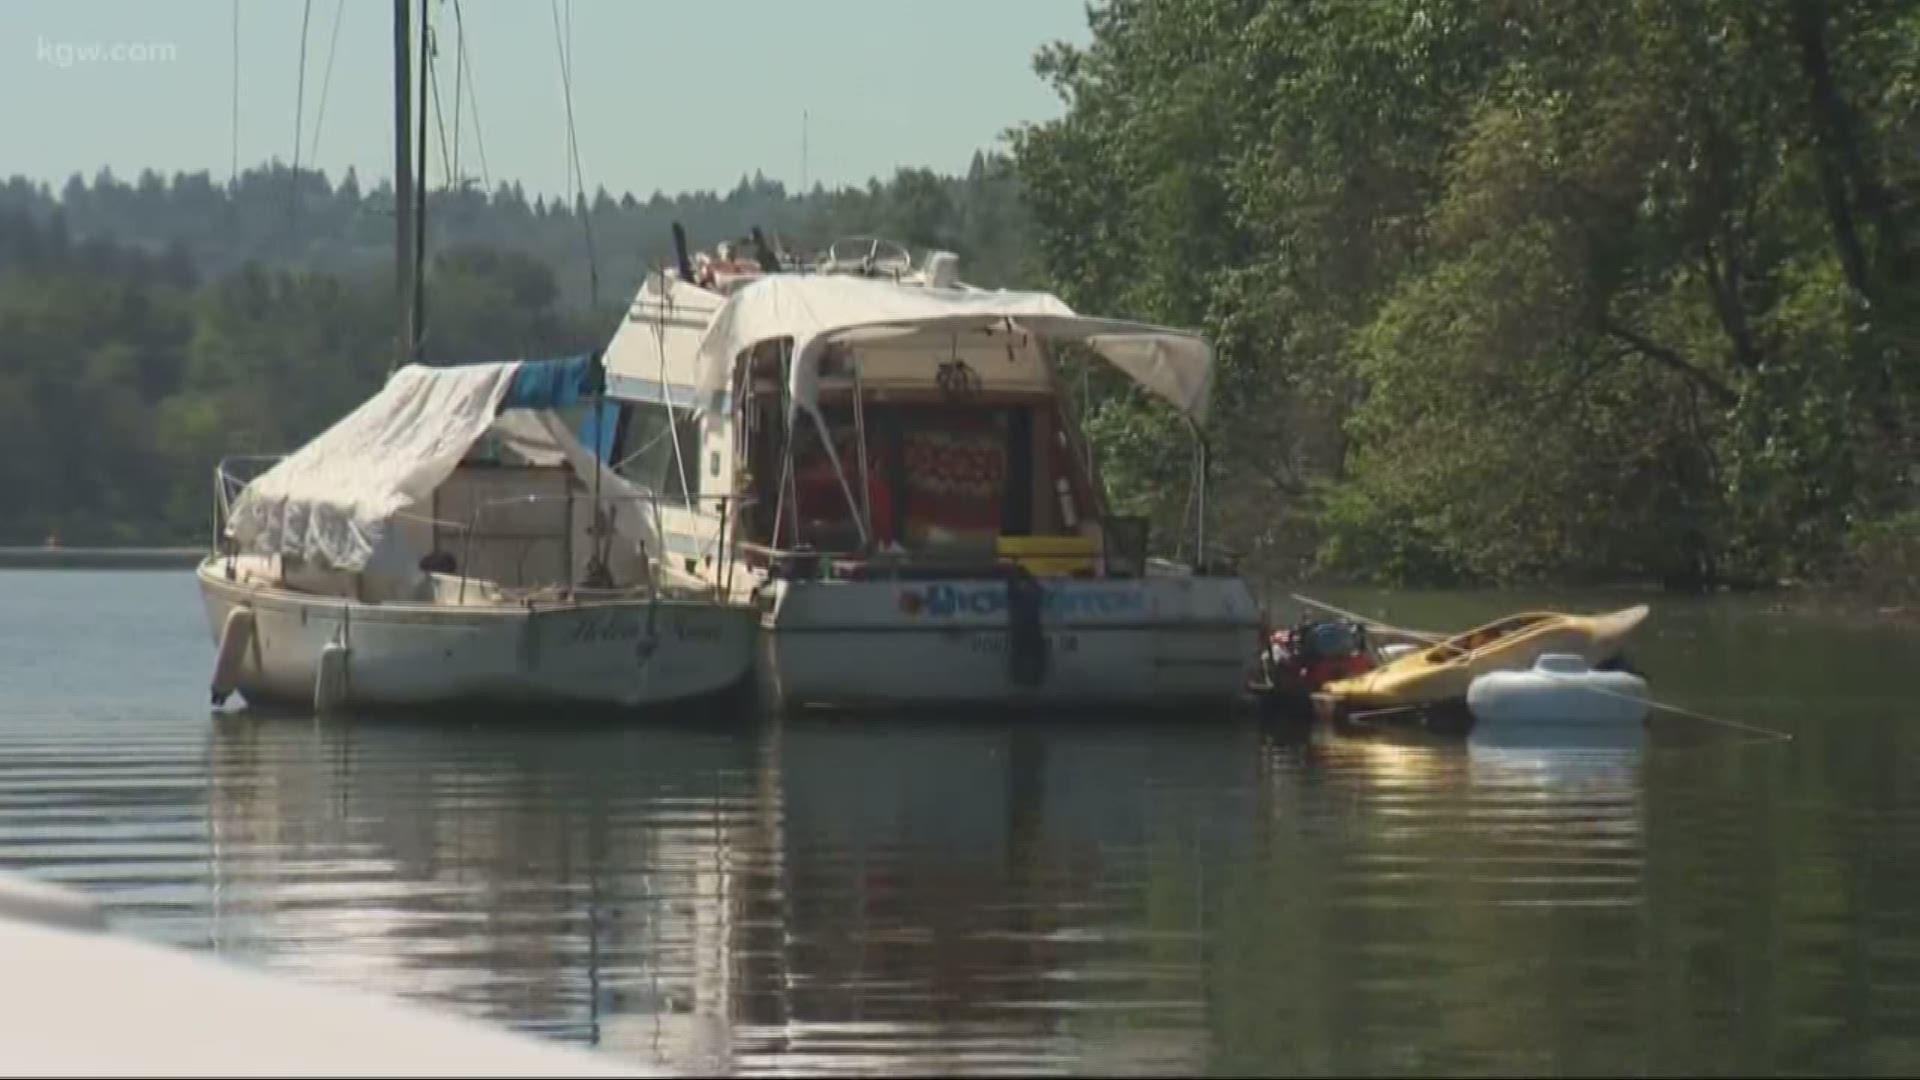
point(456, 540)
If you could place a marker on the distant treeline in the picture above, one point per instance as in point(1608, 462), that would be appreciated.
point(273, 216)
point(147, 329)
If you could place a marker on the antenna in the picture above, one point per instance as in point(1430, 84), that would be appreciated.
point(803, 152)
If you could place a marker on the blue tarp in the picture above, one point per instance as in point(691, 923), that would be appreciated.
point(598, 428)
point(554, 384)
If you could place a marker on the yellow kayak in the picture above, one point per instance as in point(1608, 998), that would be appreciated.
point(1441, 672)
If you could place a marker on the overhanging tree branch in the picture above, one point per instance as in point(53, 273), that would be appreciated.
point(1669, 358)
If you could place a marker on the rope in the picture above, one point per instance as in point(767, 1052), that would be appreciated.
point(473, 100)
point(1705, 718)
point(644, 447)
point(1431, 639)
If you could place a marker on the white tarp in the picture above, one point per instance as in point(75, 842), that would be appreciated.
point(332, 502)
point(813, 309)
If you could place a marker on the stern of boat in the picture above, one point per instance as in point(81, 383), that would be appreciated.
point(1100, 641)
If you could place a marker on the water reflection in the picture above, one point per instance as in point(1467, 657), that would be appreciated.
point(990, 895)
point(528, 879)
point(833, 893)
point(837, 894)
point(1426, 904)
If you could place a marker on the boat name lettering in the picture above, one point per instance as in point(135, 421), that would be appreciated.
point(610, 626)
point(943, 601)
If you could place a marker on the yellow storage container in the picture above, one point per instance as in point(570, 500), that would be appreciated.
point(1049, 556)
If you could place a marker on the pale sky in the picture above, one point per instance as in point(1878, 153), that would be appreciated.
point(667, 94)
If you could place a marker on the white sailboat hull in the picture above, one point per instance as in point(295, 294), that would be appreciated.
point(423, 654)
point(1139, 642)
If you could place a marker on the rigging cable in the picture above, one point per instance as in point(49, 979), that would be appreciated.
point(326, 83)
point(473, 101)
point(459, 71)
point(299, 108)
point(573, 146)
point(233, 168)
point(566, 68)
point(439, 114)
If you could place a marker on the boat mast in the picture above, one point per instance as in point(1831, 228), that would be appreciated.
point(419, 315)
point(402, 187)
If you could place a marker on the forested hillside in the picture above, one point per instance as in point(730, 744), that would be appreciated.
point(274, 216)
point(148, 329)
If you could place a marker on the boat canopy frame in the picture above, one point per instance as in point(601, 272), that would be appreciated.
point(809, 314)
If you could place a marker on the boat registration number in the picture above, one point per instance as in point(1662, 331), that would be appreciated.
point(995, 643)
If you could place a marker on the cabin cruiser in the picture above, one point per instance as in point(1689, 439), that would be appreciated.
point(894, 461)
point(449, 541)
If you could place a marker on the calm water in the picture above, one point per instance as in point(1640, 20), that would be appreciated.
point(832, 895)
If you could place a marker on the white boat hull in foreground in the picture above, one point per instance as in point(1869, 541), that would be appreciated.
point(622, 654)
point(83, 1001)
point(1138, 642)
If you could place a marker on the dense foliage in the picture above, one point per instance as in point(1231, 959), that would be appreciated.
point(1512, 289)
point(147, 330)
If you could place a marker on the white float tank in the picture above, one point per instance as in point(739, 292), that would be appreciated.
point(1559, 689)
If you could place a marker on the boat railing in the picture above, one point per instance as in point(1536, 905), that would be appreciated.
point(602, 534)
point(230, 478)
point(865, 254)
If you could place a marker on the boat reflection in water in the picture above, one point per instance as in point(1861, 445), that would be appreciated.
point(956, 896)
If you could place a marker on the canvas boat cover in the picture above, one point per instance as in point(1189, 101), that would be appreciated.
point(815, 309)
point(333, 501)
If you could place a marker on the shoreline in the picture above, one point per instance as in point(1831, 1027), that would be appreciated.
point(100, 558)
point(1799, 598)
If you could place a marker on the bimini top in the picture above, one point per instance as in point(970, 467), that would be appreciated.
point(332, 500)
point(815, 309)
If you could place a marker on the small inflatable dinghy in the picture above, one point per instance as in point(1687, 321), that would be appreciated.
point(1559, 689)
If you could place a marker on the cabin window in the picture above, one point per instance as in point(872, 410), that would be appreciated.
point(957, 465)
point(940, 475)
point(647, 452)
point(825, 520)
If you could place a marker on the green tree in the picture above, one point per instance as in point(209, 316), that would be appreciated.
point(1509, 290)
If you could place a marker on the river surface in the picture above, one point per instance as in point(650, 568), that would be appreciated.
point(1201, 894)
